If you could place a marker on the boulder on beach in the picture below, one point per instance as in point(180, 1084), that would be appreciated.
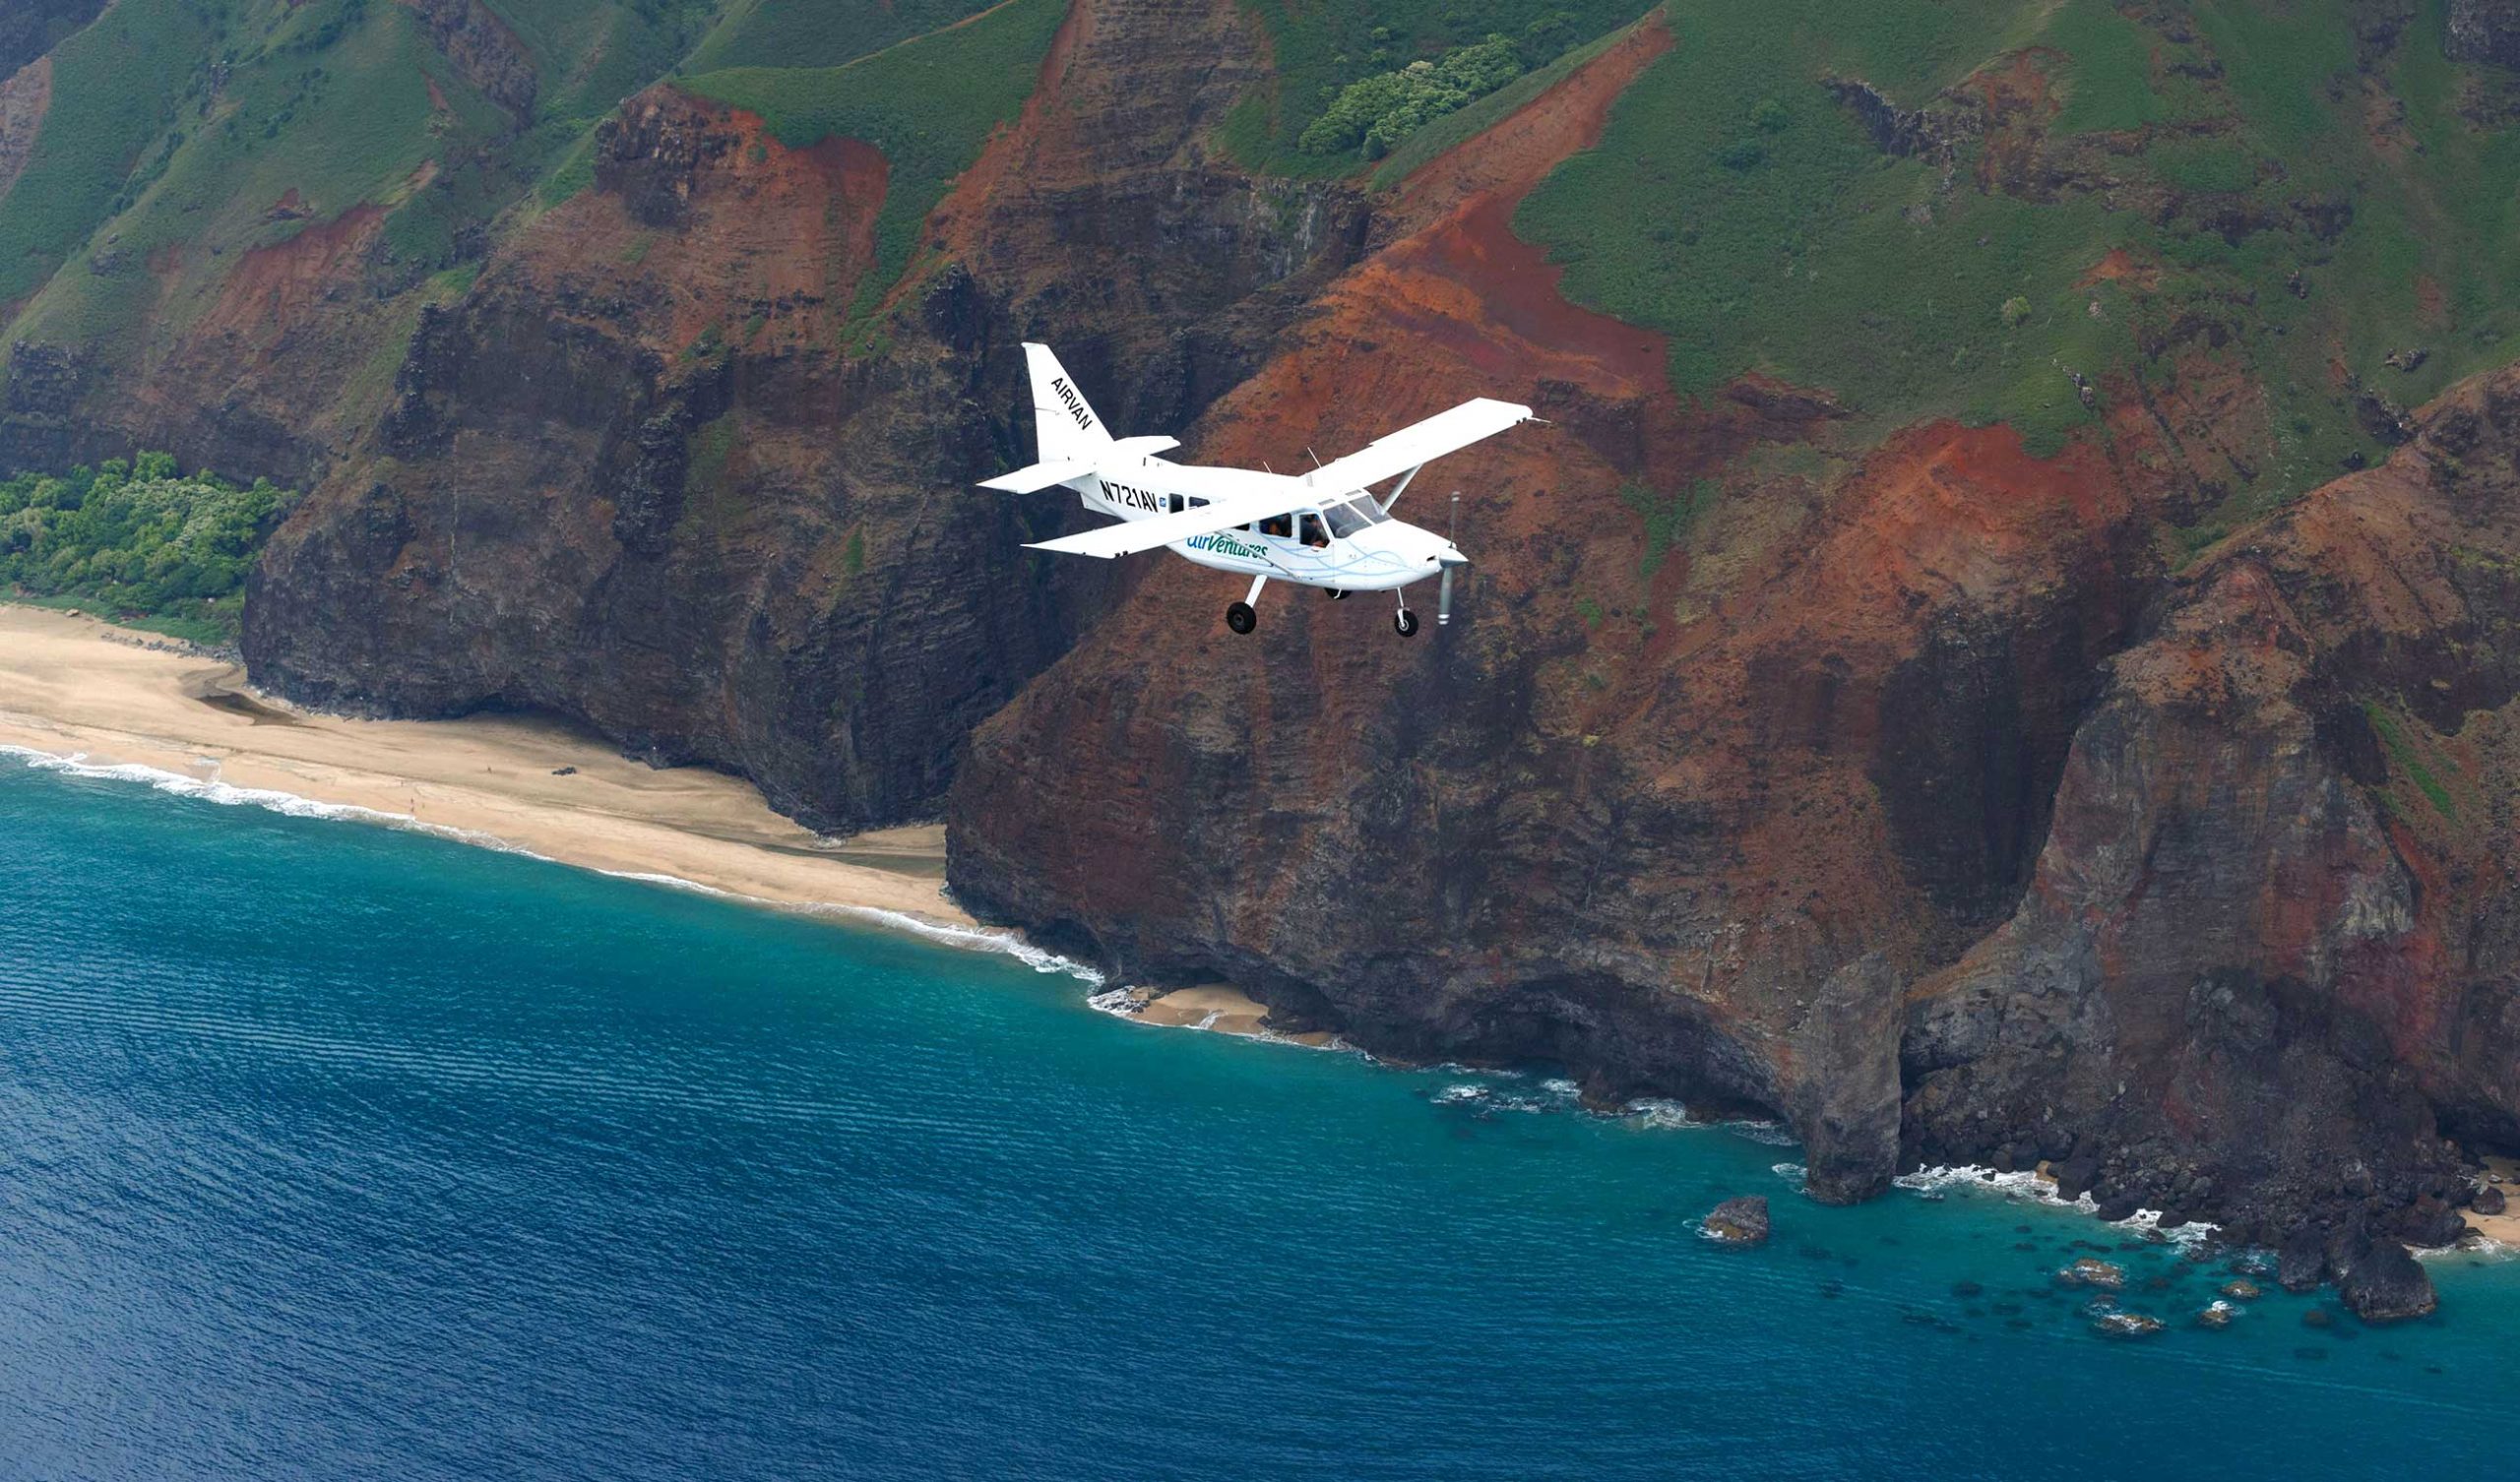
point(2489, 1200)
point(2091, 1270)
point(1739, 1221)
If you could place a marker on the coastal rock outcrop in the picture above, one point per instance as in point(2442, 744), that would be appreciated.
point(1738, 1221)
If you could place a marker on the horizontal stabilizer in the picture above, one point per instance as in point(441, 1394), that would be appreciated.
point(1144, 447)
point(1039, 477)
point(1419, 443)
point(1227, 513)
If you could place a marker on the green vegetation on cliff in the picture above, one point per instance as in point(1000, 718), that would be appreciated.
point(1334, 62)
point(138, 540)
point(114, 90)
point(819, 32)
point(2024, 203)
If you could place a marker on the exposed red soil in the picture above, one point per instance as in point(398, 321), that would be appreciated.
point(2431, 305)
point(771, 232)
point(2123, 268)
point(274, 290)
point(955, 226)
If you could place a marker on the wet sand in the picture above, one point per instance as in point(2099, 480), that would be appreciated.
point(2502, 1228)
point(73, 686)
point(1218, 1006)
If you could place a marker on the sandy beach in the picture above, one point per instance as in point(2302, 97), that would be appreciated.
point(73, 686)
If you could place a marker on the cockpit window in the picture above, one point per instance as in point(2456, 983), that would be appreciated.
point(1356, 514)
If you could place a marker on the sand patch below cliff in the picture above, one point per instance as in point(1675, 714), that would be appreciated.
point(1218, 1006)
point(73, 686)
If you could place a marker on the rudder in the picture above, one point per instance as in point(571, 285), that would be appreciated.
point(1062, 422)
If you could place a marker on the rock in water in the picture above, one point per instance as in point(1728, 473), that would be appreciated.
point(2216, 1314)
point(1739, 1221)
point(2383, 1283)
point(2091, 1272)
point(2125, 1324)
point(2302, 1262)
point(2241, 1289)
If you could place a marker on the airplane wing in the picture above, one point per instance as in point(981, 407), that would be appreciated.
point(1419, 443)
point(1227, 511)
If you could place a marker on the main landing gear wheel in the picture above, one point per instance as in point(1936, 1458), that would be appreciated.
point(1240, 618)
point(1405, 622)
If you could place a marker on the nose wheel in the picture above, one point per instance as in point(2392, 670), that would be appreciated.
point(1242, 618)
point(1405, 623)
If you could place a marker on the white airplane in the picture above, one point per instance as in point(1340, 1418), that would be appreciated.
point(1322, 529)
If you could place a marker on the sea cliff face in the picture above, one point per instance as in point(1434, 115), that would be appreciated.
point(2221, 923)
point(630, 478)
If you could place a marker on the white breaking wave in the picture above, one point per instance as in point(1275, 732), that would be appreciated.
point(227, 794)
point(2042, 1191)
point(2472, 1244)
point(2023, 1185)
point(1658, 1113)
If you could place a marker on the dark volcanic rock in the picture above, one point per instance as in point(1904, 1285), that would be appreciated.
point(627, 479)
point(1739, 1221)
point(2488, 1199)
point(2482, 31)
point(2302, 1260)
point(2383, 1283)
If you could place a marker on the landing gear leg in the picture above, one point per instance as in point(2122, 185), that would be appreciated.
point(1241, 616)
point(1337, 593)
point(1404, 622)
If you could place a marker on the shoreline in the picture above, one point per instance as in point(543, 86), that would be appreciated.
point(80, 695)
point(95, 697)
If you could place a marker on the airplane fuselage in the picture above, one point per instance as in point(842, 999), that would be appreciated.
point(1339, 540)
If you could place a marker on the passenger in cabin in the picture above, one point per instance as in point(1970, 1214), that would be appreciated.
point(1314, 534)
point(1280, 526)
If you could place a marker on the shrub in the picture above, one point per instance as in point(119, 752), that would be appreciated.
point(136, 538)
point(1379, 112)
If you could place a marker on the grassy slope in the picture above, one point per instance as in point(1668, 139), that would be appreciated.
point(819, 32)
point(114, 88)
point(1829, 263)
point(342, 102)
point(929, 104)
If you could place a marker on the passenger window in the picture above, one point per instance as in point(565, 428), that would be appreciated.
point(1174, 504)
point(1280, 526)
point(1313, 534)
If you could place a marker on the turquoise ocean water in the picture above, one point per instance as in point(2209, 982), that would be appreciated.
point(334, 1151)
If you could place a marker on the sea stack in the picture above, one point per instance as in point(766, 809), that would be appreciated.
point(1739, 1221)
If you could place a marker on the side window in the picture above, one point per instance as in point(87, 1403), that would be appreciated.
point(1172, 503)
point(1314, 534)
point(1280, 526)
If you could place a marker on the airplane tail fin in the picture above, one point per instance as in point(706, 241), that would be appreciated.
point(1067, 427)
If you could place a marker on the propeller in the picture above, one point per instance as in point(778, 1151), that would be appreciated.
point(1444, 587)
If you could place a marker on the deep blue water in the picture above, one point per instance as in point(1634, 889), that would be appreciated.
point(330, 1151)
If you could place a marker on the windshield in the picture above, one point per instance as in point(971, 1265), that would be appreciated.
point(1354, 516)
